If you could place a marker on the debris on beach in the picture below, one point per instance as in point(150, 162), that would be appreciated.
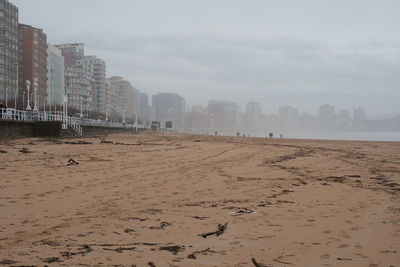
point(220, 231)
point(7, 261)
point(120, 249)
point(242, 211)
point(199, 252)
point(258, 264)
point(71, 162)
point(284, 192)
point(85, 249)
point(344, 259)
point(25, 150)
point(200, 217)
point(162, 225)
point(264, 203)
point(151, 264)
point(52, 259)
point(3, 151)
point(173, 249)
point(80, 142)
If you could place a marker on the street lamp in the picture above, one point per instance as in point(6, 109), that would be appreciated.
point(16, 84)
point(6, 97)
point(81, 98)
point(35, 86)
point(123, 116)
point(15, 99)
point(28, 87)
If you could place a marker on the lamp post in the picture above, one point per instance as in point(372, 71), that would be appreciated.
point(35, 87)
point(28, 87)
point(23, 99)
point(123, 116)
point(6, 97)
point(65, 110)
point(16, 87)
point(15, 99)
point(81, 115)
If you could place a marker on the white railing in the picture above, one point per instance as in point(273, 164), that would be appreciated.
point(73, 122)
point(13, 114)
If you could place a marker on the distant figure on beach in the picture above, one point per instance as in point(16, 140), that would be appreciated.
point(244, 135)
point(281, 136)
point(238, 134)
point(216, 133)
point(271, 135)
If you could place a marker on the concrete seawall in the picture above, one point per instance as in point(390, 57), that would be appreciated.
point(15, 129)
point(18, 129)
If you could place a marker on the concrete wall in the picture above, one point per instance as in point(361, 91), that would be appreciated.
point(15, 129)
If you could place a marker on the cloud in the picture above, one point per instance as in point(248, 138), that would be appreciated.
point(340, 52)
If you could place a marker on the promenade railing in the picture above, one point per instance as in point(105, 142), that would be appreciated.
point(73, 122)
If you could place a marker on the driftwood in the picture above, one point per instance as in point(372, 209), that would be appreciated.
point(220, 231)
point(71, 162)
point(258, 264)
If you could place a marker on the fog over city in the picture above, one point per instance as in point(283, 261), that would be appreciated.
point(298, 53)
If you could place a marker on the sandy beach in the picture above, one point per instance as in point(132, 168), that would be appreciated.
point(184, 200)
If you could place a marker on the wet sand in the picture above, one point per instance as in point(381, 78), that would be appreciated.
point(146, 200)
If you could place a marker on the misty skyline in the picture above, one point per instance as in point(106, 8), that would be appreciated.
point(344, 53)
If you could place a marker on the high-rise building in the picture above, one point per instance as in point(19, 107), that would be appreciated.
point(169, 107)
point(227, 115)
point(33, 62)
point(55, 78)
point(360, 119)
point(8, 53)
point(327, 116)
point(126, 97)
point(253, 114)
point(343, 121)
point(111, 102)
point(143, 111)
point(78, 88)
point(198, 120)
point(288, 117)
point(359, 114)
point(96, 70)
point(72, 52)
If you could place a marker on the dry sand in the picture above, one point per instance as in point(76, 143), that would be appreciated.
point(146, 199)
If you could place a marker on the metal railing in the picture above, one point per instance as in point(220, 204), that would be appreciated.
point(72, 122)
point(68, 121)
point(13, 114)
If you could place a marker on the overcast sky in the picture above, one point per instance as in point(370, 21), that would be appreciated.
point(299, 53)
